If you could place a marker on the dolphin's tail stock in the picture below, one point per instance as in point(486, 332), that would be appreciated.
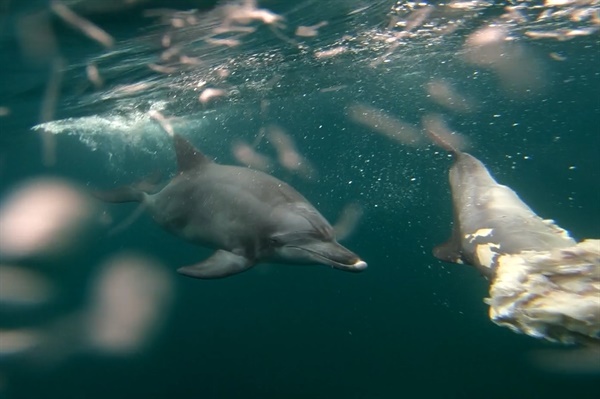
point(132, 193)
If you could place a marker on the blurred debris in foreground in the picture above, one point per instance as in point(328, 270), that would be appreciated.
point(125, 309)
point(42, 217)
point(44, 221)
point(20, 287)
point(128, 304)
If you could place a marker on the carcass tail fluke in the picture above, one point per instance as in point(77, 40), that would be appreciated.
point(438, 131)
point(442, 142)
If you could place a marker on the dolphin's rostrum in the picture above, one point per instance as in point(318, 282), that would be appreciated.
point(246, 215)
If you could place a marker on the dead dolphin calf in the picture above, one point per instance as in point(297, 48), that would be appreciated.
point(246, 215)
point(490, 219)
point(543, 283)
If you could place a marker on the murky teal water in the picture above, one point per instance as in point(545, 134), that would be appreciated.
point(409, 326)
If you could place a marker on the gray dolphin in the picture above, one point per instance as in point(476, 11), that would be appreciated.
point(490, 219)
point(246, 215)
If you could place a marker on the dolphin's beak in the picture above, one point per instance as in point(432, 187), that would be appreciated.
point(335, 255)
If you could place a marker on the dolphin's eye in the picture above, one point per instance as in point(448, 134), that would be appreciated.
point(274, 241)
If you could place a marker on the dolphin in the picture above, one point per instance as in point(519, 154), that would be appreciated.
point(490, 220)
point(246, 215)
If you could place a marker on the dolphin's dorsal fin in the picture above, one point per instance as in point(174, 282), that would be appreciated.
point(188, 156)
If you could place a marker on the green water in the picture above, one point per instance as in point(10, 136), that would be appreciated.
point(409, 326)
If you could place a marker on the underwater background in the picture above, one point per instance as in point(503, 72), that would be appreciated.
point(408, 326)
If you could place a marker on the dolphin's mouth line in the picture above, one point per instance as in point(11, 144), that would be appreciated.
point(328, 261)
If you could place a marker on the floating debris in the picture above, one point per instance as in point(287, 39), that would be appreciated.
point(447, 96)
point(246, 155)
point(210, 94)
point(86, 27)
point(348, 221)
point(288, 155)
point(310, 31)
point(383, 123)
point(94, 75)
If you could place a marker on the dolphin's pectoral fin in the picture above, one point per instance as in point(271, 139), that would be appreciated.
point(448, 252)
point(220, 264)
point(451, 250)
